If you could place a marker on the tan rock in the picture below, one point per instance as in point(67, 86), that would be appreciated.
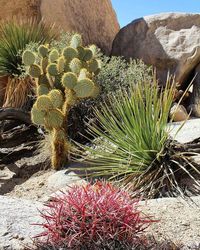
point(178, 113)
point(169, 41)
point(94, 19)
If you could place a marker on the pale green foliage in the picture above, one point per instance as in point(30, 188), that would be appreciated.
point(118, 73)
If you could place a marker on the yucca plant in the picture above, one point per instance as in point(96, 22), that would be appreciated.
point(14, 36)
point(132, 142)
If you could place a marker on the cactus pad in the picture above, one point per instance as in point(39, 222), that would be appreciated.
point(76, 41)
point(93, 48)
point(43, 50)
point(88, 54)
point(35, 70)
point(70, 53)
point(44, 103)
point(83, 74)
point(42, 90)
point(61, 64)
point(96, 91)
point(84, 88)
point(75, 65)
point(93, 65)
point(44, 63)
point(52, 69)
point(28, 57)
point(53, 55)
point(69, 80)
point(54, 119)
point(56, 97)
point(81, 52)
point(43, 80)
point(37, 116)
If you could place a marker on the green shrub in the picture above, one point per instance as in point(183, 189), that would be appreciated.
point(118, 73)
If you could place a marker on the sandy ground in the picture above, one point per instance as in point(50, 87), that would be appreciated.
point(35, 188)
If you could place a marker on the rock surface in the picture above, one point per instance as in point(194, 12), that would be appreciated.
point(169, 41)
point(178, 220)
point(62, 179)
point(95, 19)
point(16, 217)
point(189, 132)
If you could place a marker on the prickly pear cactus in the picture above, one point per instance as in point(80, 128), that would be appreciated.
point(63, 79)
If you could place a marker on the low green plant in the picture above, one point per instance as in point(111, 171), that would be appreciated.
point(63, 79)
point(132, 142)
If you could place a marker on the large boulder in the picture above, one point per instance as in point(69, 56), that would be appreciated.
point(94, 19)
point(169, 41)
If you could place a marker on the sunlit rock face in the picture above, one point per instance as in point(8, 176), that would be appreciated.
point(169, 41)
point(94, 19)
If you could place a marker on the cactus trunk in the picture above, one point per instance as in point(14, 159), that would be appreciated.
point(61, 147)
point(60, 152)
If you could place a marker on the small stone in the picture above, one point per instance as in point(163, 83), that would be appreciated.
point(62, 179)
point(21, 238)
point(185, 224)
point(178, 113)
point(15, 236)
point(3, 232)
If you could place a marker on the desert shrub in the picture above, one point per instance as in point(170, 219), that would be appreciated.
point(118, 73)
point(132, 142)
point(14, 36)
point(98, 216)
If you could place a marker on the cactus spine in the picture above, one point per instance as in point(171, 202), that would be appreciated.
point(63, 79)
